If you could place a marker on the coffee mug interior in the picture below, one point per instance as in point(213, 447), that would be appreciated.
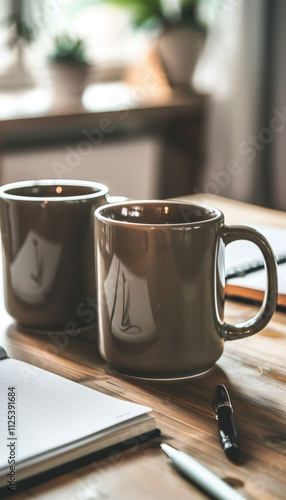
point(52, 191)
point(158, 212)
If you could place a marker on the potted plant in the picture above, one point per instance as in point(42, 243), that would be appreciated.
point(182, 33)
point(20, 34)
point(68, 64)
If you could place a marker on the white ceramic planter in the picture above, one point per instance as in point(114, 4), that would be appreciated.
point(179, 50)
point(68, 78)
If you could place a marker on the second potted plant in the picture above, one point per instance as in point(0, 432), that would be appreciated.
point(182, 33)
point(68, 65)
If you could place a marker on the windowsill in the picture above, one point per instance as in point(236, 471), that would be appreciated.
point(97, 98)
point(38, 116)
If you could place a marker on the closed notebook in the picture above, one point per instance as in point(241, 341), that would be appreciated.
point(47, 420)
point(246, 277)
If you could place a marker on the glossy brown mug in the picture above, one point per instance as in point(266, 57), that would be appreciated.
point(161, 287)
point(48, 252)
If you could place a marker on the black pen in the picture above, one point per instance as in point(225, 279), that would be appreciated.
point(228, 435)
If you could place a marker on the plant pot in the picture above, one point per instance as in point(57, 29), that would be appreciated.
point(68, 78)
point(179, 50)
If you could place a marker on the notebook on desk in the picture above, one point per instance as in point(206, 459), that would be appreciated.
point(245, 273)
point(47, 421)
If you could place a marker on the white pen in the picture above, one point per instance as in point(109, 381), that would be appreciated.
point(200, 475)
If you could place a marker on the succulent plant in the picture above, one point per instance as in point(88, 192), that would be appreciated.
point(67, 49)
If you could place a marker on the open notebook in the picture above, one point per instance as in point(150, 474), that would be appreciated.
point(246, 277)
point(58, 421)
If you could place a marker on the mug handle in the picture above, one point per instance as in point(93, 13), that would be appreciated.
point(260, 320)
point(115, 199)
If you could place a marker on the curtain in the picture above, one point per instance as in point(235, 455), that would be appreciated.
point(275, 104)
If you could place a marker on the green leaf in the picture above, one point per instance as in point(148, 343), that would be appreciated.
point(67, 49)
point(141, 10)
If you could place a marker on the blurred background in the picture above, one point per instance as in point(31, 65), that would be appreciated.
point(155, 98)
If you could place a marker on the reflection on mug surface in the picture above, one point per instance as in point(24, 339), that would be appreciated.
point(34, 269)
point(128, 301)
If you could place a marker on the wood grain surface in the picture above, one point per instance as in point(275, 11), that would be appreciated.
point(252, 369)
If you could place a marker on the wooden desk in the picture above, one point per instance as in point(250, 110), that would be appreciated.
point(254, 371)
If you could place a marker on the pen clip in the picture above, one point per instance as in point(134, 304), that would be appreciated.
point(221, 398)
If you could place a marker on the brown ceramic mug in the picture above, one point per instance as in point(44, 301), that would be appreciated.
point(48, 252)
point(161, 287)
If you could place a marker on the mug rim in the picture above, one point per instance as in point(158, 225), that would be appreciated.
point(4, 190)
point(218, 214)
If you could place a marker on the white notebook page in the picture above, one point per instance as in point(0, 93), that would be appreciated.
point(52, 411)
point(244, 252)
point(257, 280)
